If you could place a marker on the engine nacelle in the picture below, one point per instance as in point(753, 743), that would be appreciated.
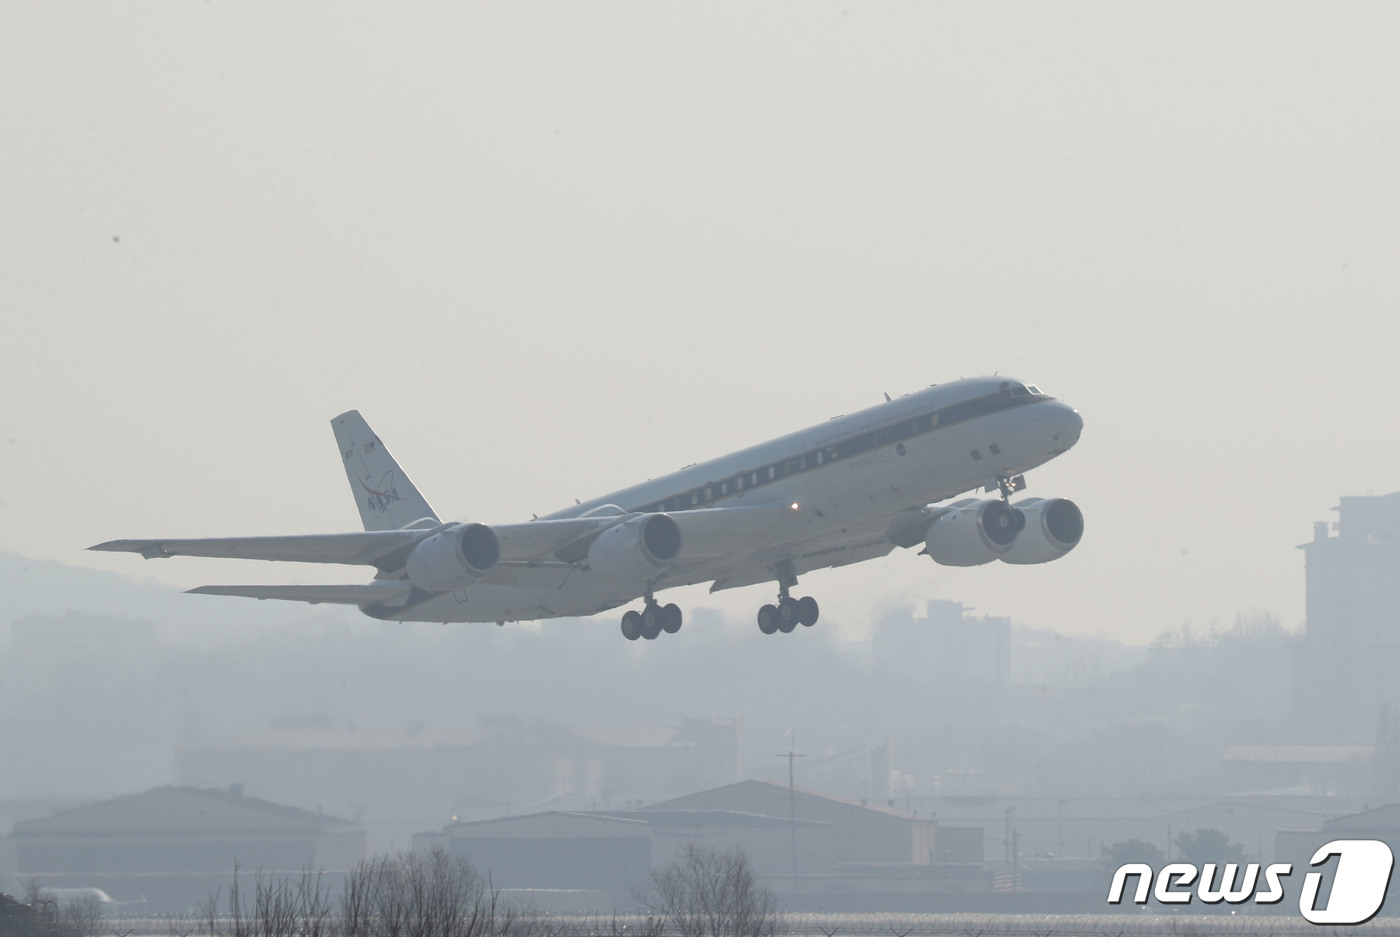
point(973, 532)
point(454, 558)
point(1053, 528)
point(636, 548)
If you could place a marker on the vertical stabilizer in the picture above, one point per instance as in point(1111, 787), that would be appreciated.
point(387, 499)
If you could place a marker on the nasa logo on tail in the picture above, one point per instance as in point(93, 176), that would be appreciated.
point(379, 497)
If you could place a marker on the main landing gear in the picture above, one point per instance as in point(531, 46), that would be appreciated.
point(789, 612)
point(653, 619)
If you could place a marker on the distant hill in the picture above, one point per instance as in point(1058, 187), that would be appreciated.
point(45, 587)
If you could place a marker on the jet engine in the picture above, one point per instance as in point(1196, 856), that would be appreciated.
point(973, 532)
point(636, 548)
point(454, 558)
point(1053, 528)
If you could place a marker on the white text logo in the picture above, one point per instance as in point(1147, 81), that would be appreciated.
point(1358, 882)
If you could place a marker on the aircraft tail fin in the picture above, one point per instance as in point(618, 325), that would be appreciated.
point(386, 498)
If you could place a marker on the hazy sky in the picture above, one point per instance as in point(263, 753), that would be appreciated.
point(551, 250)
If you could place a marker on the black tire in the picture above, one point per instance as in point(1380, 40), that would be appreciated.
point(787, 615)
point(807, 611)
point(768, 619)
point(672, 618)
point(652, 617)
point(631, 626)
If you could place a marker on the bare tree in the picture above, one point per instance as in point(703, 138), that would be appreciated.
point(83, 916)
point(707, 893)
point(79, 917)
point(413, 895)
point(402, 895)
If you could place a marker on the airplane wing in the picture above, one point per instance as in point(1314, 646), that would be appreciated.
point(705, 532)
point(381, 590)
point(361, 548)
point(521, 543)
point(714, 532)
point(707, 535)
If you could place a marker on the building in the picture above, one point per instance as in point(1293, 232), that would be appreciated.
point(860, 833)
point(408, 784)
point(1299, 845)
point(568, 861)
point(556, 850)
point(174, 847)
point(816, 852)
point(774, 846)
point(1344, 666)
point(948, 645)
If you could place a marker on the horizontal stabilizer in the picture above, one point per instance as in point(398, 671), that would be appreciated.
point(361, 548)
point(386, 590)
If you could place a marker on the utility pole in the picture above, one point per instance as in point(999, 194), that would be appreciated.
point(1007, 840)
point(791, 755)
point(1015, 860)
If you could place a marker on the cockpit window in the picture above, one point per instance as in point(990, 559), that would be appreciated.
point(1019, 391)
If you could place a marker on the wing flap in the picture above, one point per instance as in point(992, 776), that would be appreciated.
point(361, 548)
point(388, 590)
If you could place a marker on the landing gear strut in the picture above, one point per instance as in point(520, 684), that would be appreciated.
point(789, 612)
point(653, 619)
point(1007, 484)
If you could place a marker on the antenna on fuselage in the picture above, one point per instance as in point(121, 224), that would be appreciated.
point(887, 396)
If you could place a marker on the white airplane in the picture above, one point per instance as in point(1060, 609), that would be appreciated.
point(850, 489)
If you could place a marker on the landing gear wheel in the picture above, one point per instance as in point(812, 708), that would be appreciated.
point(671, 618)
point(652, 618)
point(631, 626)
point(787, 615)
point(768, 619)
point(807, 611)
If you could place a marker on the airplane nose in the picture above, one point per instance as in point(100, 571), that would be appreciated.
point(1070, 426)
